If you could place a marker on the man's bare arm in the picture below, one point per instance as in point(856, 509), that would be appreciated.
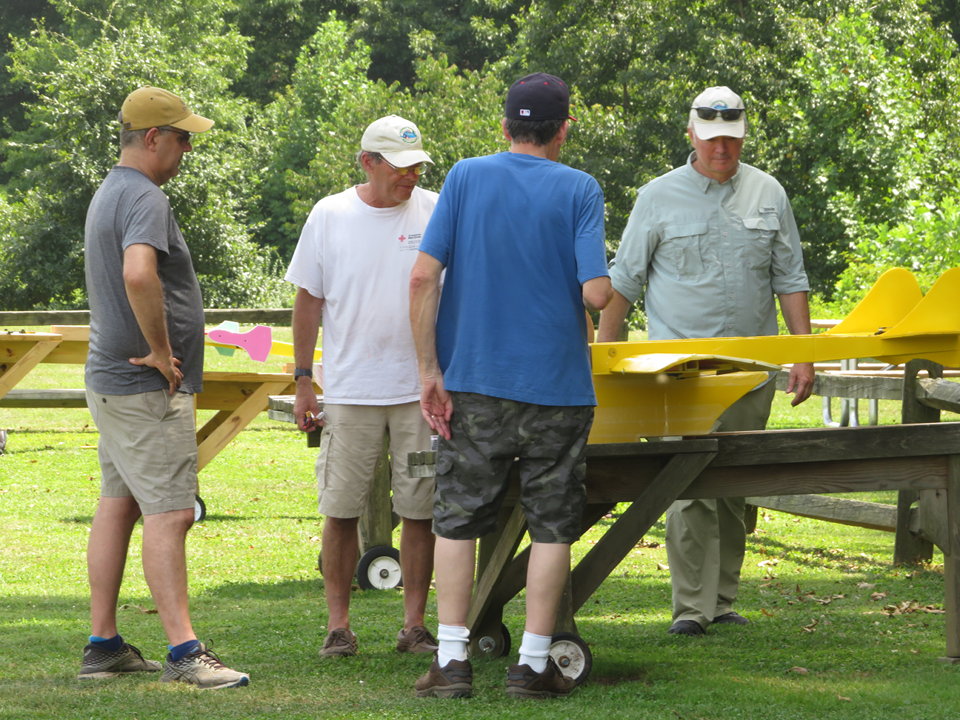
point(612, 317)
point(307, 311)
point(145, 295)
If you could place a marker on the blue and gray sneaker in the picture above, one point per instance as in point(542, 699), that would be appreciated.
point(100, 663)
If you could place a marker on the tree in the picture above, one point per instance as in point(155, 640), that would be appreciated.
point(845, 99)
point(469, 34)
point(862, 133)
point(308, 138)
point(277, 30)
point(17, 18)
point(58, 162)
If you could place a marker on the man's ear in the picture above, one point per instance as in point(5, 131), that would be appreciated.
point(503, 126)
point(150, 138)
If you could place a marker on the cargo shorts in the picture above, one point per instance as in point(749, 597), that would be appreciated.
point(147, 448)
point(487, 435)
point(351, 444)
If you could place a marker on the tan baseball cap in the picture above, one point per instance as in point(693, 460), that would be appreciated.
point(398, 140)
point(149, 107)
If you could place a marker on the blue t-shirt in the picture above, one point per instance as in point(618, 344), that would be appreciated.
point(518, 235)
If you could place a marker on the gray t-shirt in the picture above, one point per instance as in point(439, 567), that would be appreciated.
point(128, 209)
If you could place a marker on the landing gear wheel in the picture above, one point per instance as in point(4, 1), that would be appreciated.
point(199, 509)
point(379, 569)
point(494, 644)
point(572, 656)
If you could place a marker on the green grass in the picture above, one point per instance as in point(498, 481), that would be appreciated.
point(820, 597)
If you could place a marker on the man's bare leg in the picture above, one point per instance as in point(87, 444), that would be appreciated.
point(113, 523)
point(165, 568)
point(416, 563)
point(340, 545)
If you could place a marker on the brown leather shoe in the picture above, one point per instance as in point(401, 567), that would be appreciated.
point(416, 640)
point(339, 643)
point(453, 680)
point(523, 682)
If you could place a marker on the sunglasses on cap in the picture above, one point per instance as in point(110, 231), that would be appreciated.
point(728, 114)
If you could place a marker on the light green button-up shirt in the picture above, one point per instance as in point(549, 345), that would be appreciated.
point(709, 257)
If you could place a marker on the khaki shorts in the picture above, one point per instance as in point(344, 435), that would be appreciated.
point(147, 448)
point(351, 442)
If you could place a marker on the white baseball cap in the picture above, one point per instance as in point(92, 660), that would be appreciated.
point(398, 140)
point(718, 111)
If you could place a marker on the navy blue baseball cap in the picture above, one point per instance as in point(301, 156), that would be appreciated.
point(538, 97)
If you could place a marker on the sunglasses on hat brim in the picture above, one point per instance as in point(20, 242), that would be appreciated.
point(728, 114)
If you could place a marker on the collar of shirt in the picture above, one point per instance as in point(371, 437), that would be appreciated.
point(702, 182)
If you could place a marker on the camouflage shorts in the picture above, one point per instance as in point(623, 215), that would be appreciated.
point(487, 434)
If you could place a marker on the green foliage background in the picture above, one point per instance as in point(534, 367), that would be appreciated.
point(851, 106)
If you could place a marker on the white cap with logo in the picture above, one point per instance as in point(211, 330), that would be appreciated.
point(398, 140)
point(718, 111)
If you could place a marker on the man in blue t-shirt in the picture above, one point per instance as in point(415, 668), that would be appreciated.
point(505, 370)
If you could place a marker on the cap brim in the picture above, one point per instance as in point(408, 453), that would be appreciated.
point(707, 129)
point(193, 123)
point(406, 158)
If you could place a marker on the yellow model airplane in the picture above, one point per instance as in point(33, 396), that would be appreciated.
point(680, 387)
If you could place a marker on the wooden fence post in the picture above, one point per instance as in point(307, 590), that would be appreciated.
point(908, 547)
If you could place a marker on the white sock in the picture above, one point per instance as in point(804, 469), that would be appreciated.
point(452, 641)
point(534, 651)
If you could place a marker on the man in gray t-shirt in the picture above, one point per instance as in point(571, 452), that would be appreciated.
point(144, 364)
point(128, 210)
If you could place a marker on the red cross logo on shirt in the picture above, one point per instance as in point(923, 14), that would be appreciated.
point(402, 238)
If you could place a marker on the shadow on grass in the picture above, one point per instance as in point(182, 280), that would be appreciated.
point(811, 556)
point(88, 519)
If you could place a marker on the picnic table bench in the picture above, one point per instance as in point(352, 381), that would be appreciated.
point(236, 397)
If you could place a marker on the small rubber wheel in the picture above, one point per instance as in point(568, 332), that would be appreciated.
point(199, 509)
point(495, 644)
point(379, 569)
point(572, 656)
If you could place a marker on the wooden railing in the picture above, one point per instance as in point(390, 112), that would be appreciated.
point(16, 319)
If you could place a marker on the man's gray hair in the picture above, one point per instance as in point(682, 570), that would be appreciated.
point(375, 156)
point(132, 137)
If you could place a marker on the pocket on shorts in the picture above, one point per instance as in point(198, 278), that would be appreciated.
point(157, 403)
point(320, 467)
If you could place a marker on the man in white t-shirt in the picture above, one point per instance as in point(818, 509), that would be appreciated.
point(352, 268)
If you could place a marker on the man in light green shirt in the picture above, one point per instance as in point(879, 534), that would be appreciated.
point(709, 245)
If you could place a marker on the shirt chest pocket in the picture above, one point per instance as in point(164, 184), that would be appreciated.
point(683, 250)
point(759, 233)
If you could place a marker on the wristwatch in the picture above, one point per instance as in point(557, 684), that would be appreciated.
point(303, 372)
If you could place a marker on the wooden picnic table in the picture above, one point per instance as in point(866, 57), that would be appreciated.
point(237, 397)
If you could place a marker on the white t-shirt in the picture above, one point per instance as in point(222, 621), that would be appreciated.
point(358, 258)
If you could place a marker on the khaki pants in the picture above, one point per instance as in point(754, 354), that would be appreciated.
point(706, 538)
